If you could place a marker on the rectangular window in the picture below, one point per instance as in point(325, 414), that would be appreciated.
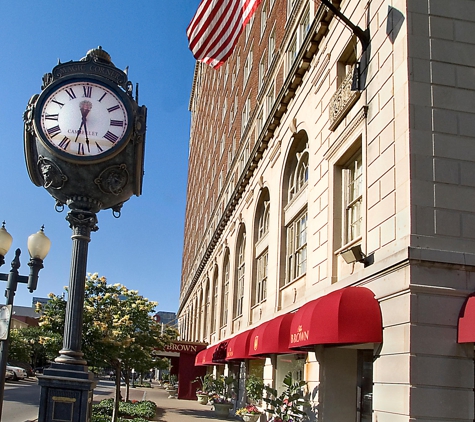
point(353, 197)
point(261, 287)
point(270, 99)
point(262, 72)
point(263, 18)
point(271, 45)
point(224, 311)
point(297, 247)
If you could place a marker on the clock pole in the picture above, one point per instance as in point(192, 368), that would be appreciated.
point(84, 143)
point(67, 385)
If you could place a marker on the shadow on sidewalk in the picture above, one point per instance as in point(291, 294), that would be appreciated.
point(168, 415)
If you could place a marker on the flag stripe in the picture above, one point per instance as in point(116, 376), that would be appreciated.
point(214, 30)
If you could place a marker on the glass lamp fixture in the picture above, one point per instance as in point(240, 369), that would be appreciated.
point(5, 240)
point(39, 245)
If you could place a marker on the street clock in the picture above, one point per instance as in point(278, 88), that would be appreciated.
point(85, 134)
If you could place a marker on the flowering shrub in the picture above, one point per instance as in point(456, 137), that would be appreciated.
point(250, 409)
point(217, 399)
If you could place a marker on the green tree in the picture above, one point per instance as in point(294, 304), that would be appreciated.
point(118, 328)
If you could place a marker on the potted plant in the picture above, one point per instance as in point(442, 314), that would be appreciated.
point(221, 400)
point(172, 387)
point(254, 389)
point(207, 387)
point(287, 406)
point(222, 405)
point(250, 413)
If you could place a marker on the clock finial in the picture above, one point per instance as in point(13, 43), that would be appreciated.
point(99, 55)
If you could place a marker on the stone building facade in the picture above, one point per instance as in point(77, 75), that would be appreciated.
point(330, 218)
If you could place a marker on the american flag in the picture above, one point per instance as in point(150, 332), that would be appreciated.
point(214, 30)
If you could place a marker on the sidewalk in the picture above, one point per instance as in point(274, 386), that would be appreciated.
point(168, 410)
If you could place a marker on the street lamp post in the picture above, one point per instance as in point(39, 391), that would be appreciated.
point(38, 247)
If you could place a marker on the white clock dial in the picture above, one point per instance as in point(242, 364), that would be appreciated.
point(83, 119)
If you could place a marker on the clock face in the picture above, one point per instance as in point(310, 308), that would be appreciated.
point(82, 119)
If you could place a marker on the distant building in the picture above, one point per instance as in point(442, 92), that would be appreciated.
point(167, 318)
point(42, 300)
point(24, 316)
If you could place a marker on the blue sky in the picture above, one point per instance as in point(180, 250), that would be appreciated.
point(143, 248)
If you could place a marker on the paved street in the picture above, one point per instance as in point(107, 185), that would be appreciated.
point(22, 401)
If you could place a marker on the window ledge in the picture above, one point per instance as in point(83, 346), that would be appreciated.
point(348, 245)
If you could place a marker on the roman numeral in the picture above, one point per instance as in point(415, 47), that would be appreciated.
point(111, 137)
point(98, 147)
point(80, 149)
point(64, 143)
point(57, 102)
point(53, 131)
point(87, 91)
point(71, 93)
point(103, 95)
point(117, 123)
point(51, 116)
point(111, 109)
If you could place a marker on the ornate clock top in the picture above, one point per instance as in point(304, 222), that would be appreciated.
point(98, 55)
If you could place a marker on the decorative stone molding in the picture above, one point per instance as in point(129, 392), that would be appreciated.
point(342, 101)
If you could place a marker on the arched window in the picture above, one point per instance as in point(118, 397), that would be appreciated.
point(206, 308)
point(225, 291)
point(296, 175)
point(299, 176)
point(240, 274)
point(261, 248)
point(214, 303)
point(263, 224)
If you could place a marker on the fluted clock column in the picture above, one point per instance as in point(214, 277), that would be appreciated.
point(82, 223)
point(67, 386)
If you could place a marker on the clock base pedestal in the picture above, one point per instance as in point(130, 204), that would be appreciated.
point(66, 393)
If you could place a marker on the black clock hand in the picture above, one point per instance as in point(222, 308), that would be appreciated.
point(85, 130)
point(85, 107)
point(79, 131)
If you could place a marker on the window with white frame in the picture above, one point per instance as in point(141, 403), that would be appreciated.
point(270, 98)
point(247, 67)
point(263, 18)
point(261, 282)
point(246, 113)
point(263, 221)
point(271, 46)
point(240, 274)
point(225, 291)
point(299, 176)
point(297, 247)
point(214, 306)
point(298, 38)
point(353, 197)
point(262, 72)
point(259, 122)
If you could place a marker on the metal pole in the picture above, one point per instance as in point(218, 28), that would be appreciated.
point(82, 223)
point(9, 294)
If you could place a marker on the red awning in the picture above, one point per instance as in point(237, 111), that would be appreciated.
point(348, 316)
point(466, 329)
point(238, 346)
point(201, 358)
point(213, 355)
point(272, 337)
